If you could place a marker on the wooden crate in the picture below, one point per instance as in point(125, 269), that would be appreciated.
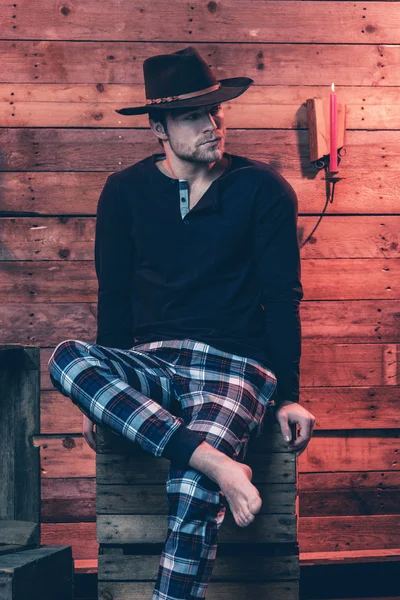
point(45, 573)
point(19, 458)
point(261, 560)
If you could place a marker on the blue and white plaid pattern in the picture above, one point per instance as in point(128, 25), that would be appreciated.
point(222, 395)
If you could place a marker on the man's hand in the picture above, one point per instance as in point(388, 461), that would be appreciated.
point(288, 413)
point(88, 433)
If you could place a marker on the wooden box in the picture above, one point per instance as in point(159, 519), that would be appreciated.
point(45, 573)
point(19, 458)
point(258, 561)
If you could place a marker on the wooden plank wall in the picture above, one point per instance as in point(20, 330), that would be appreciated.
point(65, 68)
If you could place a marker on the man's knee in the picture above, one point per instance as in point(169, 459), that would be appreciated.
point(59, 348)
point(54, 368)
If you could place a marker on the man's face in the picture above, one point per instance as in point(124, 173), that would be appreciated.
point(189, 129)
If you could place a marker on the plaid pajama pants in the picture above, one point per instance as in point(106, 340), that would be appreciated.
point(152, 393)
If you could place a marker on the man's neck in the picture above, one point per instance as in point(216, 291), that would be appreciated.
point(212, 174)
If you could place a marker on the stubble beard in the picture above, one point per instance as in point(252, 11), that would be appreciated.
point(202, 153)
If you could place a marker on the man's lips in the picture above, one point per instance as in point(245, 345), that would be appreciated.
point(212, 141)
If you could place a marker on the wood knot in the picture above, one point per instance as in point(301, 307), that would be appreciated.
point(68, 443)
point(63, 253)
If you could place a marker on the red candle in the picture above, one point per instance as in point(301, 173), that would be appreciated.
point(333, 164)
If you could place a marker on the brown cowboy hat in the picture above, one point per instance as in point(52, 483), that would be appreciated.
point(183, 79)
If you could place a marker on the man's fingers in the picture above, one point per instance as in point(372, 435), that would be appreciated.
point(285, 428)
point(291, 414)
point(301, 441)
point(304, 437)
point(305, 433)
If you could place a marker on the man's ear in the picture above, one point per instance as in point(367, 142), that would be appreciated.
point(158, 129)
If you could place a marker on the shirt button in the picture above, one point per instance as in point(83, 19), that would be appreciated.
point(183, 199)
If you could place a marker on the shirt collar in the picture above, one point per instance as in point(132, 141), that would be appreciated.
point(212, 194)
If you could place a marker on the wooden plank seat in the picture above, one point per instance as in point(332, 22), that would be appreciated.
point(306, 559)
point(261, 560)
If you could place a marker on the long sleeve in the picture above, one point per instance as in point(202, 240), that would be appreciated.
point(113, 253)
point(277, 259)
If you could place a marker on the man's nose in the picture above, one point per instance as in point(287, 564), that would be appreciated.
point(212, 123)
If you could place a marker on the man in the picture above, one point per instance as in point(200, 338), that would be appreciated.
point(198, 265)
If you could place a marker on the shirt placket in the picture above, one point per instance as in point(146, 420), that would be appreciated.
point(184, 197)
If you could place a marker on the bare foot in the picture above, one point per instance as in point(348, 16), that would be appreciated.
point(233, 478)
point(243, 497)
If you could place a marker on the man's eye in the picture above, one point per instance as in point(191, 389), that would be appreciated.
point(215, 111)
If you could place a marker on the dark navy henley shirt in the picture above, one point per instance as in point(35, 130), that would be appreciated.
point(225, 272)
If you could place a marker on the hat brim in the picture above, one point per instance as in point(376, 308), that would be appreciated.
point(230, 88)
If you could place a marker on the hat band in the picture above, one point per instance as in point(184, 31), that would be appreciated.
point(185, 96)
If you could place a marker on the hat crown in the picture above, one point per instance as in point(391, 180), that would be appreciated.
point(180, 72)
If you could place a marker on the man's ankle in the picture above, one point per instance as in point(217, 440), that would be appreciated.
point(208, 460)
